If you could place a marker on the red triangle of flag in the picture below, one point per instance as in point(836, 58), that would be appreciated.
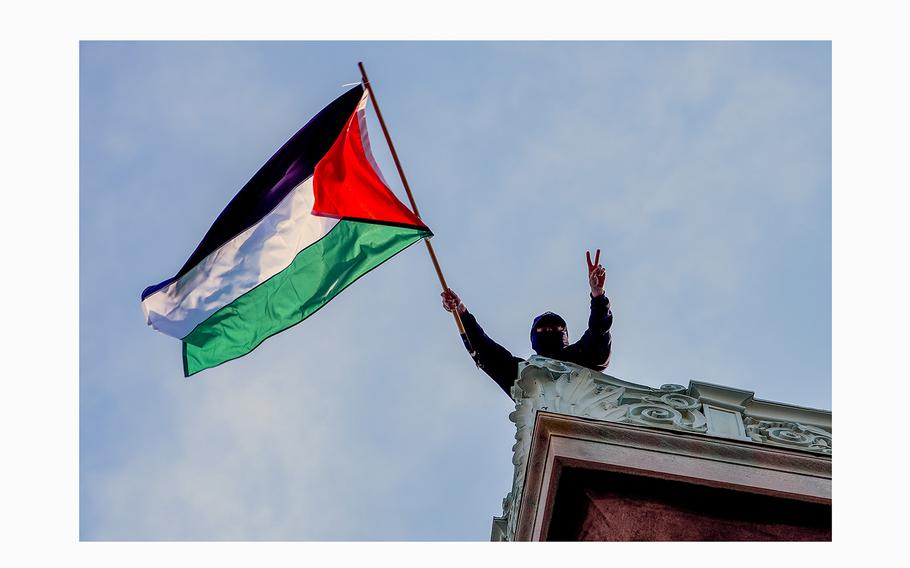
point(347, 184)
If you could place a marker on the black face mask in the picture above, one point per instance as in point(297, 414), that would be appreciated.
point(549, 343)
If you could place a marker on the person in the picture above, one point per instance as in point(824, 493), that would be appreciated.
point(549, 337)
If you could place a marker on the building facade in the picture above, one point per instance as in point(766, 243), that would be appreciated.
point(599, 458)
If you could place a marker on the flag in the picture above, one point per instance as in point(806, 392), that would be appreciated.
point(315, 218)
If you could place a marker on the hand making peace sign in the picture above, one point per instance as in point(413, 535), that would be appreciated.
point(597, 274)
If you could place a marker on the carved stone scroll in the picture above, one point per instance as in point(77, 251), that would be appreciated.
point(789, 434)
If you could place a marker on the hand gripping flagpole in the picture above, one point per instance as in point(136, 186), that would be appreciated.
point(407, 188)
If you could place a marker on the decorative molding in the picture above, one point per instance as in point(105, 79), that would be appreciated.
point(789, 434)
point(712, 410)
point(561, 442)
point(564, 388)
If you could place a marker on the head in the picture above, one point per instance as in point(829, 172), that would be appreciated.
point(549, 335)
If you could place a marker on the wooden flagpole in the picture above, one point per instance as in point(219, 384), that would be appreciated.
point(407, 188)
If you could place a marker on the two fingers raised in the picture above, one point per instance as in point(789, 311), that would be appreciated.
point(593, 265)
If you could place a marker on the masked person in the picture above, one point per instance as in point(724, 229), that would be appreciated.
point(549, 337)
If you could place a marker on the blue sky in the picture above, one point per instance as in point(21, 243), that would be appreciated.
point(701, 170)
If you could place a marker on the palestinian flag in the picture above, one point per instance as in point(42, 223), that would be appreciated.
point(315, 218)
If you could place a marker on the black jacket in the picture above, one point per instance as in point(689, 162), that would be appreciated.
point(592, 350)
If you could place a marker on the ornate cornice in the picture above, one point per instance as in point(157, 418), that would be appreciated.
point(789, 435)
point(702, 408)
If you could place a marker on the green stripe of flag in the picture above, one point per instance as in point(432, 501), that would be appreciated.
point(317, 274)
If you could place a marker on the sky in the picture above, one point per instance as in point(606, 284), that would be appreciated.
point(702, 170)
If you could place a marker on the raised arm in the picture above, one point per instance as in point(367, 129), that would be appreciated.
point(595, 346)
point(494, 359)
point(601, 318)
